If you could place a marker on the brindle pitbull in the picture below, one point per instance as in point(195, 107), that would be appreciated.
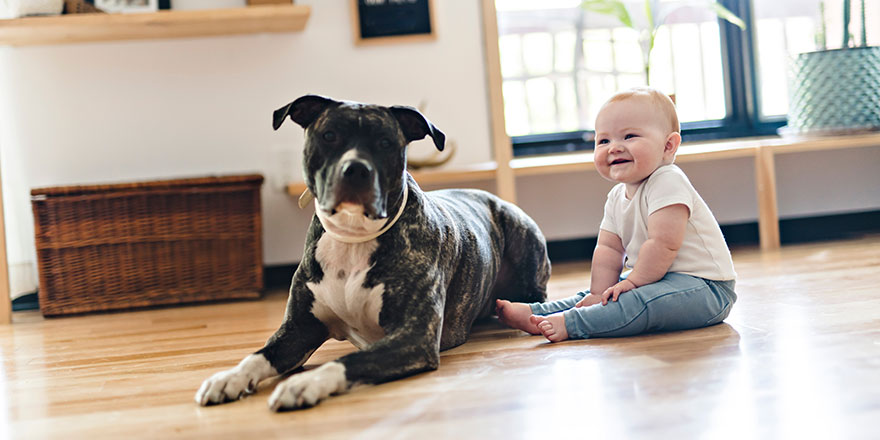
point(399, 272)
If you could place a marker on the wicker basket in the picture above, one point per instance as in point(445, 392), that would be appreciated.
point(110, 247)
point(80, 7)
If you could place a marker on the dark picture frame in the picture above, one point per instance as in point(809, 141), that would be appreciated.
point(392, 21)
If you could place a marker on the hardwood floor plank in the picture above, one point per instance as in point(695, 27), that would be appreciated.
point(798, 357)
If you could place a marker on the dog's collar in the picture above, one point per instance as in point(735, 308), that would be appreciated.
point(368, 237)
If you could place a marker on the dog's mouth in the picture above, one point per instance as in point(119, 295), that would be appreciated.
point(361, 203)
point(349, 219)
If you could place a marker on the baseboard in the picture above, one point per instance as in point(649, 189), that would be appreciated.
point(28, 301)
point(794, 230)
point(828, 227)
point(791, 231)
point(277, 277)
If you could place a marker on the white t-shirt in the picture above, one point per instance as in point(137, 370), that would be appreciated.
point(703, 252)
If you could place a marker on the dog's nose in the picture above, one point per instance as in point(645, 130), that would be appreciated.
point(357, 173)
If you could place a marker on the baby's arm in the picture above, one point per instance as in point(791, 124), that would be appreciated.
point(606, 266)
point(666, 227)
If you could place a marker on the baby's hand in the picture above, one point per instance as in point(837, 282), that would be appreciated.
point(614, 291)
point(589, 300)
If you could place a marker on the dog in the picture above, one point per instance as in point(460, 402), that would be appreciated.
point(400, 273)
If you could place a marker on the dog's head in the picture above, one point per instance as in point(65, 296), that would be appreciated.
point(355, 154)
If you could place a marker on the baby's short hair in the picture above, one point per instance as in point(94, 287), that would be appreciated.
point(659, 99)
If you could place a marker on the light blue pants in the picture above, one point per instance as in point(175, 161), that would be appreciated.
point(676, 302)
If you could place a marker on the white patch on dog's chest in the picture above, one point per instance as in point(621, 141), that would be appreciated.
point(348, 309)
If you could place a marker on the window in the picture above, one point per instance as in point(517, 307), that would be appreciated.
point(560, 62)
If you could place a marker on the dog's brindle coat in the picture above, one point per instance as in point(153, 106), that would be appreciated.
point(403, 296)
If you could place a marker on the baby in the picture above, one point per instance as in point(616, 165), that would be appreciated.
point(679, 271)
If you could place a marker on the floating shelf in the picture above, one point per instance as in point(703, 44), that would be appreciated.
point(81, 28)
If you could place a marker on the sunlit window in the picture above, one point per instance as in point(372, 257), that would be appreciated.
point(561, 61)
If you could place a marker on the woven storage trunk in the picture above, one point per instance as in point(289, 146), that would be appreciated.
point(110, 247)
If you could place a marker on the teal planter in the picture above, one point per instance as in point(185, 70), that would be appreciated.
point(834, 92)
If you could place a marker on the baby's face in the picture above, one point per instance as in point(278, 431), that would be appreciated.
point(630, 139)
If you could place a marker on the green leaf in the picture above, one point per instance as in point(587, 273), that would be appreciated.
point(614, 8)
point(719, 10)
point(725, 13)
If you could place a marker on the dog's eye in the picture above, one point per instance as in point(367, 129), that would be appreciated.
point(385, 143)
point(329, 136)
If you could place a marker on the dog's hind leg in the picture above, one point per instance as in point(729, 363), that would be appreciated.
point(525, 267)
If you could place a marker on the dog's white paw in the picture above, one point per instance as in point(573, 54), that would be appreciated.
point(310, 387)
point(234, 383)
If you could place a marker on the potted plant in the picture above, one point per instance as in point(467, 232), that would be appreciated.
point(835, 91)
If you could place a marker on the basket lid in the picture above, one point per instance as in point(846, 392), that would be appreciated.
point(252, 179)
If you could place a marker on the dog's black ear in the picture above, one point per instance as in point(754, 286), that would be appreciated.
point(303, 111)
point(416, 126)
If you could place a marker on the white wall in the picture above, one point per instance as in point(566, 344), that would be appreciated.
point(123, 111)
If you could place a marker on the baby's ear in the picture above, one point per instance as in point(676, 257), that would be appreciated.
point(671, 146)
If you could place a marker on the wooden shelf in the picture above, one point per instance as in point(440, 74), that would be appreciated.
point(80, 28)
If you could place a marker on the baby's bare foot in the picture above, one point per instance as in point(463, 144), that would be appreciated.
point(516, 315)
point(551, 326)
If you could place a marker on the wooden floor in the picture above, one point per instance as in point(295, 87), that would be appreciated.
point(799, 357)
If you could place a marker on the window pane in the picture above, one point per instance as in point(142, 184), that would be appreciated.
point(515, 109)
point(541, 97)
point(565, 49)
point(562, 62)
point(566, 98)
point(627, 53)
point(688, 73)
point(713, 75)
point(597, 50)
point(510, 48)
point(661, 61)
point(538, 53)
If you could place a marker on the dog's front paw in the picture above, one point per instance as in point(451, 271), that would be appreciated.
point(232, 384)
point(310, 387)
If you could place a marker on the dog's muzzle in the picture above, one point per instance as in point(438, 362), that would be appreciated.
point(355, 181)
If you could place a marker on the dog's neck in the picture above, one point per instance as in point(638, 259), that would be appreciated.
point(340, 226)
